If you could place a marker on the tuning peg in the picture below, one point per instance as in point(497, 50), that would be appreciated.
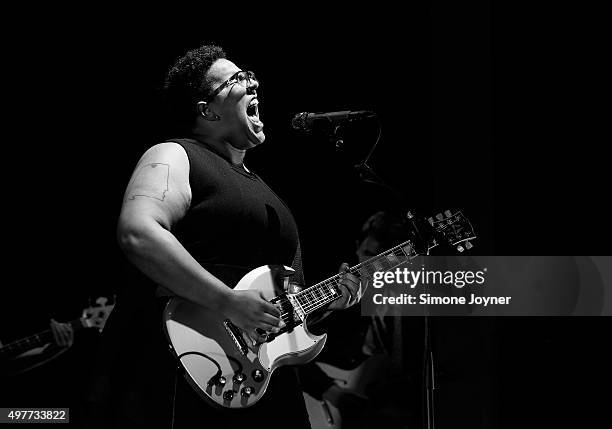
point(101, 301)
point(468, 245)
point(409, 214)
point(430, 220)
point(448, 213)
point(439, 216)
point(460, 248)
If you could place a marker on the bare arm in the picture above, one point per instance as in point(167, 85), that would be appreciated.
point(158, 195)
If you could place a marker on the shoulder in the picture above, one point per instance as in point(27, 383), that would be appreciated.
point(168, 151)
point(168, 154)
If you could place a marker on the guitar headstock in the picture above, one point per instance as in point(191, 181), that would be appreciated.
point(453, 229)
point(96, 316)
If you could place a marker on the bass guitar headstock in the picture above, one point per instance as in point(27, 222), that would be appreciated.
point(96, 316)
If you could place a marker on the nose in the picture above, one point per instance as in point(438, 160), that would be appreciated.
point(252, 86)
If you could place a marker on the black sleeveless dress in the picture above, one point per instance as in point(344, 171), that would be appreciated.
point(235, 223)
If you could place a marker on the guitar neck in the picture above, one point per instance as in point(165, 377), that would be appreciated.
point(323, 293)
point(20, 346)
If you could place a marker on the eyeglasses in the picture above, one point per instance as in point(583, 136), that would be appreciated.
point(242, 77)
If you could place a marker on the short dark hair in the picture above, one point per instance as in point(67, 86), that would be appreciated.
point(186, 84)
point(387, 228)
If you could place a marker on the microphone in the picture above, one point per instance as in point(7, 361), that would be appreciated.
point(305, 121)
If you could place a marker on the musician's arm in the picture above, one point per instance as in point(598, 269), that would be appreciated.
point(157, 197)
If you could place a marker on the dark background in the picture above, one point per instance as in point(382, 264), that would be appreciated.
point(489, 109)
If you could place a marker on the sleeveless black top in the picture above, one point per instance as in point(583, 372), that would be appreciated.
point(235, 222)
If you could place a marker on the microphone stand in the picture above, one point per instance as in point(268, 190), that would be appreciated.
point(368, 175)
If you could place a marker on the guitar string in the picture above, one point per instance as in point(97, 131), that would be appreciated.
point(28, 340)
point(316, 303)
point(335, 280)
point(43, 335)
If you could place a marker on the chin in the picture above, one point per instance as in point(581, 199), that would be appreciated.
point(256, 138)
point(260, 138)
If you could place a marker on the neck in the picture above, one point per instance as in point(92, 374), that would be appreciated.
point(20, 346)
point(235, 156)
point(311, 299)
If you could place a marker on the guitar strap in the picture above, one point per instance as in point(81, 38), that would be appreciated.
point(298, 277)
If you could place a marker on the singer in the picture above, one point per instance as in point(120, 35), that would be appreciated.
point(194, 220)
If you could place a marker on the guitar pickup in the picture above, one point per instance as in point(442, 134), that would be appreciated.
point(236, 335)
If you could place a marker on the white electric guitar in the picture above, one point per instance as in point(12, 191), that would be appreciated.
point(226, 367)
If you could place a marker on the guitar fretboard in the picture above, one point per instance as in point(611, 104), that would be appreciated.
point(20, 346)
point(325, 292)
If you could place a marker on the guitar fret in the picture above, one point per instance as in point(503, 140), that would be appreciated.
point(325, 291)
point(332, 290)
point(305, 300)
point(317, 296)
point(313, 297)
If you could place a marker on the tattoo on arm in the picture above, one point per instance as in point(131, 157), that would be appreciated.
point(152, 180)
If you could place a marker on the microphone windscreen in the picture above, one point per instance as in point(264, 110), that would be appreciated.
point(299, 122)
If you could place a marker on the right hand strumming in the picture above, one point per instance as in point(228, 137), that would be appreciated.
point(249, 310)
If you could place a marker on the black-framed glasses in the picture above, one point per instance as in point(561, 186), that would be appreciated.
point(241, 77)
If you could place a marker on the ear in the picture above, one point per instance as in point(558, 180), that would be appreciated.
point(206, 112)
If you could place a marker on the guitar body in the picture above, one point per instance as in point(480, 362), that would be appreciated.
point(221, 363)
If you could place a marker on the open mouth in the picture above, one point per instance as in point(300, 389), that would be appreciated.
point(252, 110)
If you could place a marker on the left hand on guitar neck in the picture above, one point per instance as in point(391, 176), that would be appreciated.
point(63, 337)
point(350, 287)
point(63, 334)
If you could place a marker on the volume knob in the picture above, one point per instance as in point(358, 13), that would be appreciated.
point(239, 377)
point(258, 375)
point(229, 395)
point(218, 381)
point(246, 391)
